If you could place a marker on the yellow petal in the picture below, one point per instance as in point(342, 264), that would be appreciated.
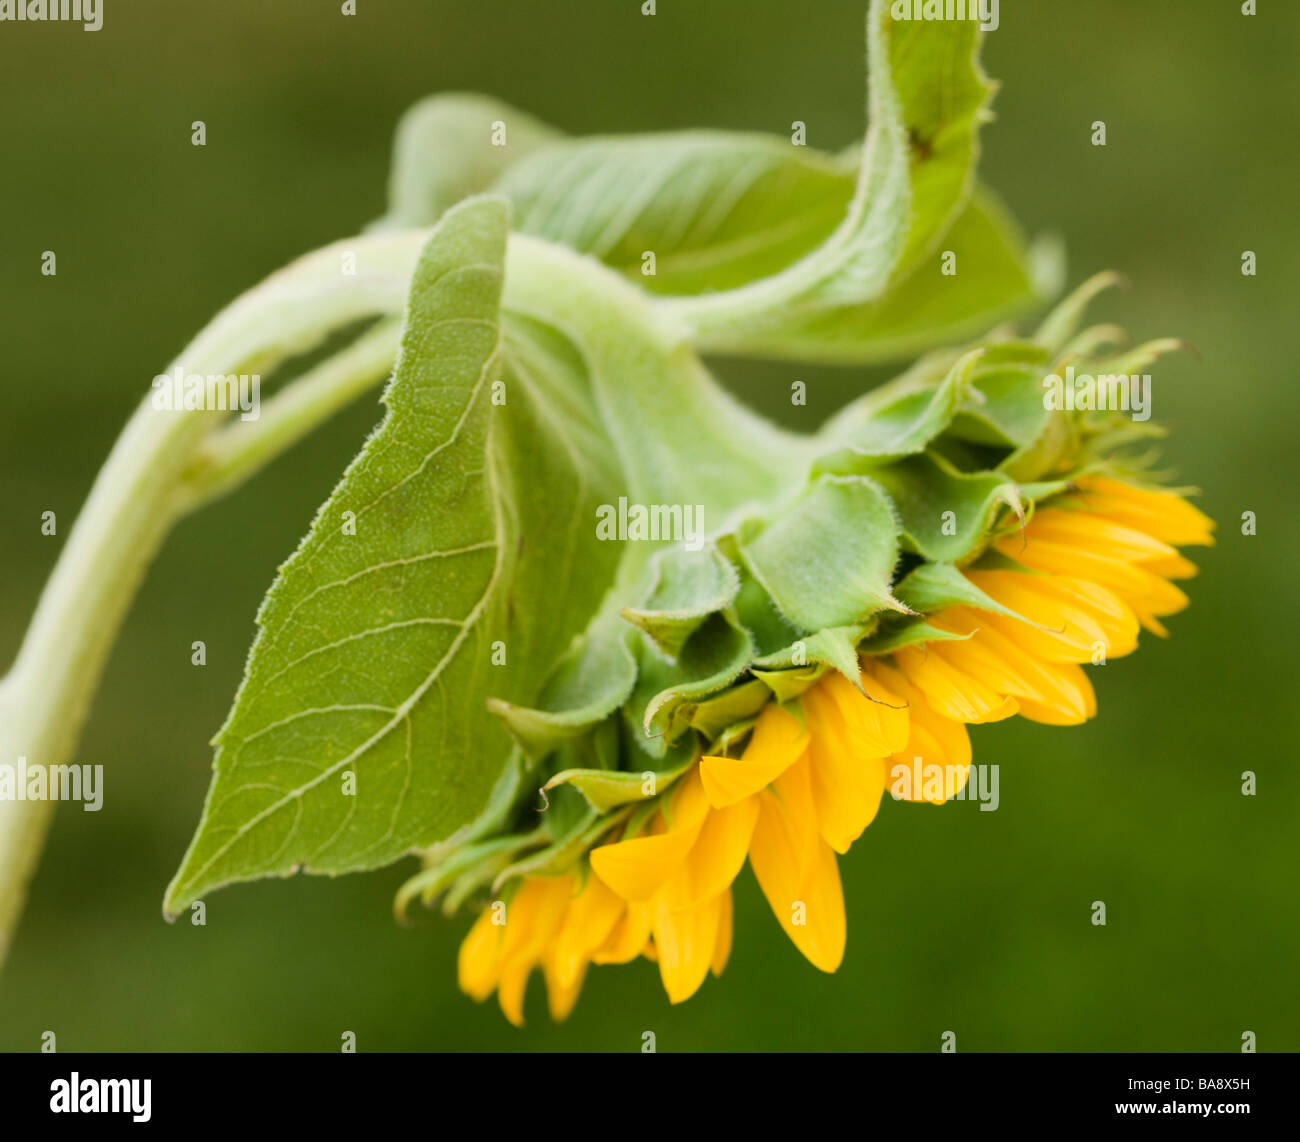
point(1071, 629)
point(722, 946)
point(1094, 532)
point(808, 906)
point(685, 939)
point(587, 925)
point(637, 868)
point(793, 790)
point(826, 925)
point(1171, 567)
point(511, 991)
point(562, 988)
point(1165, 515)
point(933, 741)
point(720, 849)
point(1124, 577)
point(533, 915)
point(1077, 703)
point(777, 742)
point(1054, 692)
point(479, 956)
point(949, 690)
point(877, 722)
point(628, 938)
point(923, 773)
point(846, 784)
point(687, 804)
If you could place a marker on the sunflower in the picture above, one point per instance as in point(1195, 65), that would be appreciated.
point(1092, 566)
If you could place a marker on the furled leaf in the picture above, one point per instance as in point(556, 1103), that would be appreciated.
point(997, 277)
point(767, 248)
point(715, 209)
point(926, 98)
point(445, 151)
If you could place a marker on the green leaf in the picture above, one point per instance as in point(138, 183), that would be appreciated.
point(1004, 408)
point(373, 654)
point(787, 685)
point(827, 559)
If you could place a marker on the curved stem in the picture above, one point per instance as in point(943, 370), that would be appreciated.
point(164, 464)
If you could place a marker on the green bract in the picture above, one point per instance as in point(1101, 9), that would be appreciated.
point(566, 562)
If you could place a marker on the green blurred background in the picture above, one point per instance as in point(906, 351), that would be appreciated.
point(977, 923)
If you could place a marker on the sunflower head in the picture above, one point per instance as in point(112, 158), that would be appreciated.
point(964, 549)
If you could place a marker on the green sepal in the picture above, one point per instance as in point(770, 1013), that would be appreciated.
point(901, 418)
point(1060, 326)
point(689, 587)
point(731, 735)
point(759, 615)
point(836, 647)
point(715, 716)
point(908, 633)
point(925, 489)
point(787, 685)
point(609, 789)
point(668, 690)
point(564, 853)
point(827, 558)
point(433, 879)
point(591, 682)
point(933, 586)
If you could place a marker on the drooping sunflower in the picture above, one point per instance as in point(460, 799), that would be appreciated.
point(1073, 585)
